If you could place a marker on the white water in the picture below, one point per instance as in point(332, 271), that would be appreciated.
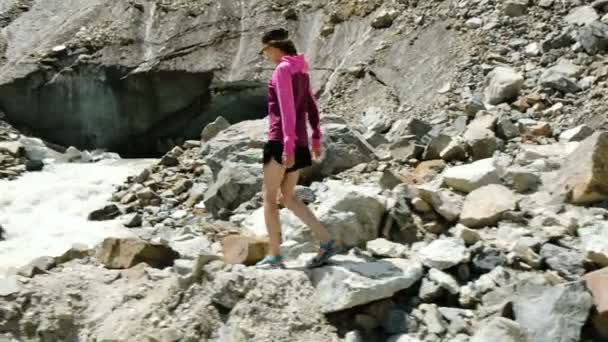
point(45, 213)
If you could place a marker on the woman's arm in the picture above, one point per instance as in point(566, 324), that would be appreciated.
point(314, 120)
point(284, 91)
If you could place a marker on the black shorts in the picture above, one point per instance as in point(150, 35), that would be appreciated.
point(274, 150)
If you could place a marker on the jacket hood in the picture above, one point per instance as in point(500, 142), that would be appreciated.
point(297, 63)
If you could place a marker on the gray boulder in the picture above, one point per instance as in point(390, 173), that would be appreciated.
point(469, 177)
point(214, 128)
point(568, 263)
point(500, 329)
point(593, 37)
point(577, 133)
point(445, 202)
point(444, 253)
point(558, 81)
point(582, 15)
point(502, 84)
point(484, 206)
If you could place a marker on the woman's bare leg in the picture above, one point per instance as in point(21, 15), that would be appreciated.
point(273, 176)
point(298, 208)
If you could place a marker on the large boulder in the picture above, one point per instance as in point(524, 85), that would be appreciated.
point(445, 202)
point(238, 249)
point(469, 177)
point(582, 15)
point(484, 206)
point(594, 37)
point(126, 253)
point(552, 313)
point(351, 281)
point(444, 253)
point(502, 84)
point(583, 178)
point(500, 329)
point(235, 184)
point(597, 282)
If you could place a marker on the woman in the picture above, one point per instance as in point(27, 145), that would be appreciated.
point(290, 102)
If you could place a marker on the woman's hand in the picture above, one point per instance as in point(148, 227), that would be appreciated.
point(288, 161)
point(316, 154)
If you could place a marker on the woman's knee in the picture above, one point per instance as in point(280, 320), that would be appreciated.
point(289, 200)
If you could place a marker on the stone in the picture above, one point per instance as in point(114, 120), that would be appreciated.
point(593, 37)
point(455, 150)
point(444, 280)
point(484, 206)
point(77, 251)
point(445, 202)
point(468, 235)
point(34, 165)
point(583, 178)
point(521, 179)
point(552, 313)
point(108, 212)
point(568, 263)
point(404, 150)
point(502, 85)
point(595, 243)
point(14, 148)
point(169, 160)
point(125, 253)
point(558, 81)
point(421, 205)
point(351, 281)
point(142, 176)
point(9, 286)
point(515, 8)
point(597, 283)
point(545, 3)
point(390, 179)
point(37, 266)
point(147, 197)
point(396, 322)
point(430, 291)
point(132, 220)
point(402, 338)
point(582, 15)
point(403, 128)
point(437, 144)
point(213, 129)
point(532, 49)
point(428, 170)
point(480, 137)
point(578, 133)
point(469, 177)
point(245, 250)
point(235, 184)
point(2, 233)
point(539, 129)
point(506, 129)
point(474, 23)
point(444, 253)
point(384, 19)
point(387, 249)
point(181, 186)
point(366, 322)
point(499, 329)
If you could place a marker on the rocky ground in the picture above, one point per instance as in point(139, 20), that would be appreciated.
point(479, 215)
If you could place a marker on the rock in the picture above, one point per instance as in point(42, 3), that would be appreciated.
point(214, 128)
point(445, 202)
point(444, 253)
point(500, 329)
point(555, 313)
point(384, 19)
point(455, 150)
point(502, 84)
point(14, 148)
point(593, 37)
point(545, 3)
point(181, 186)
point(597, 283)
point(532, 49)
point(469, 177)
point(444, 280)
point(351, 281)
point(142, 176)
point(480, 137)
point(125, 253)
point(404, 150)
point(245, 250)
point(583, 178)
point(396, 322)
point(559, 81)
point(77, 251)
point(578, 133)
point(568, 263)
point(34, 165)
point(436, 145)
point(521, 179)
point(37, 266)
point(108, 212)
point(484, 206)
point(383, 248)
point(402, 338)
point(488, 259)
point(515, 8)
point(582, 15)
point(353, 336)
point(430, 291)
point(506, 129)
point(421, 205)
point(390, 179)
point(169, 160)
point(595, 243)
point(147, 197)
point(428, 170)
point(2, 233)
point(9, 286)
point(235, 184)
point(132, 220)
point(539, 129)
point(474, 23)
point(468, 235)
point(403, 128)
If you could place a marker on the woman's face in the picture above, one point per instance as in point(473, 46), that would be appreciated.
point(273, 54)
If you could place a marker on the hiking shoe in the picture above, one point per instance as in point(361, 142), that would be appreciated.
point(326, 251)
point(271, 262)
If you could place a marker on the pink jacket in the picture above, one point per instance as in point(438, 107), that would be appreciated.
point(290, 102)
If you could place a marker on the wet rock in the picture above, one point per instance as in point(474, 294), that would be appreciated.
point(484, 206)
point(387, 249)
point(445, 202)
point(214, 128)
point(582, 15)
point(593, 37)
point(34, 165)
point(351, 281)
point(550, 313)
point(245, 250)
point(235, 184)
point(578, 133)
point(108, 212)
point(37, 266)
point(502, 84)
point(396, 321)
point(353, 336)
point(132, 220)
point(126, 253)
point(583, 178)
point(568, 263)
point(444, 253)
point(500, 329)
point(469, 177)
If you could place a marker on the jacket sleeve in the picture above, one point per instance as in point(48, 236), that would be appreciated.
point(284, 89)
point(314, 119)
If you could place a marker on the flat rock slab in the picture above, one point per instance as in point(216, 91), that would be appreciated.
point(484, 206)
point(469, 177)
point(444, 253)
point(351, 281)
